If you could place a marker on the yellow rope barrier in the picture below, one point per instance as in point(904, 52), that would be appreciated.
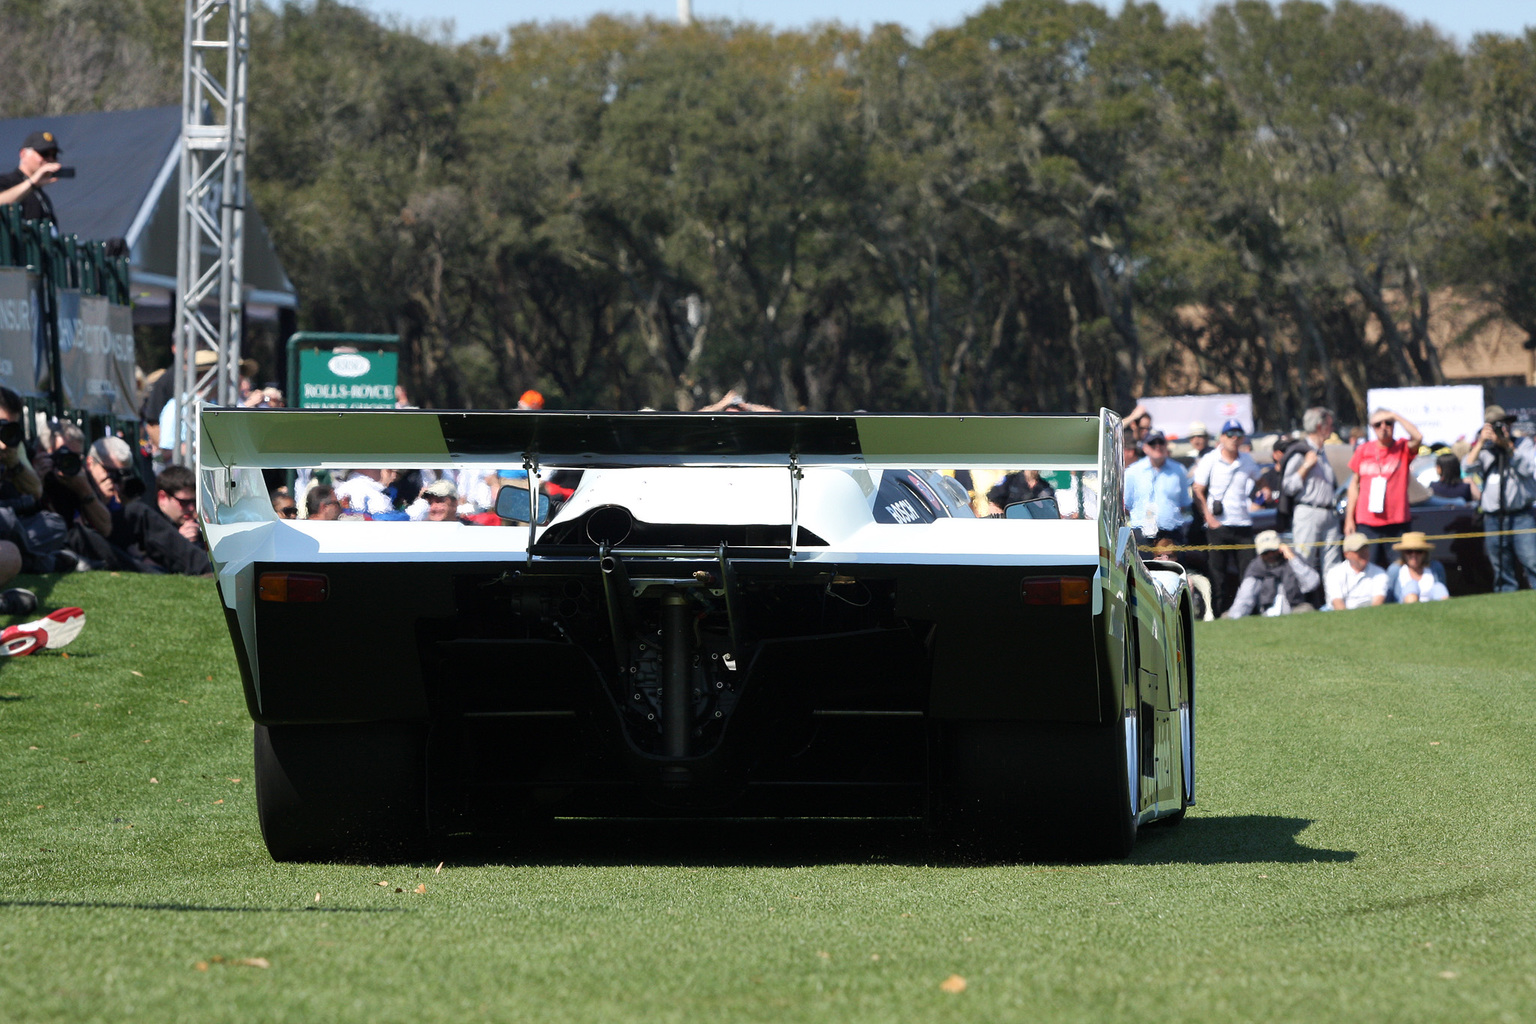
point(1332, 543)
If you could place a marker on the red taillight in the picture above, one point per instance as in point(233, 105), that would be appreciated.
point(1057, 590)
point(292, 587)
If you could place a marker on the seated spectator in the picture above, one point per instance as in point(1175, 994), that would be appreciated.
point(1451, 485)
point(90, 497)
point(321, 503)
point(442, 500)
point(162, 526)
point(1274, 583)
point(284, 505)
point(1356, 582)
point(1416, 578)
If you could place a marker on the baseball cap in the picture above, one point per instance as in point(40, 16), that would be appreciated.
point(1233, 425)
point(1155, 437)
point(43, 142)
point(1197, 429)
point(1356, 541)
point(1269, 540)
point(530, 399)
point(1496, 414)
point(441, 489)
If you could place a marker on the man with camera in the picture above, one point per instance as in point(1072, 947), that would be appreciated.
point(1223, 492)
point(38, 166)
point(88, 492)
point(1509, 486)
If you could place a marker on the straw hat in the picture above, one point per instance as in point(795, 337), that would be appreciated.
point(1413, 540)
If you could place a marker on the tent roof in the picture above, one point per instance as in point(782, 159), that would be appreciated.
point(128, 163)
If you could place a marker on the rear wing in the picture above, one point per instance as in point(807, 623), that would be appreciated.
point(289, 439)
point(234, 444)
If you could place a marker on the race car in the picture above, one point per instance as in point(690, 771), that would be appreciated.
point(738, 615)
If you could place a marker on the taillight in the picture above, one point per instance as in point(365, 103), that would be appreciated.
point(292, 587)
point(1056, 590)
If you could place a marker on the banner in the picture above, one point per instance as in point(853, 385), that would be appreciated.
point(96, 354)
point(1174, 415)
point(20, 329)
point(1445, 414)
point(347, 380)
point(1521, 403)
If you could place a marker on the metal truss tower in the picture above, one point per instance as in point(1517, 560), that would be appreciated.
point(210, 260)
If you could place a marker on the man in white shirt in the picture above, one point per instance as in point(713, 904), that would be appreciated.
point(1223, 491)
point(1356, 582)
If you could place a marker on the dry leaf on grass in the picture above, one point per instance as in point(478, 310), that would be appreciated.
point(1447, 975)
point(137, 672)
point(824, 954)
point(154, 780)
point(201, 965)
point(421, 889)
point(439, 869)
point(317, 897)
point(954, 984)
point(382, 885)
point(219, 801)
point(253, 961)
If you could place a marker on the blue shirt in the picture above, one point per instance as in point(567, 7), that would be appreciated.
point(1156, 498)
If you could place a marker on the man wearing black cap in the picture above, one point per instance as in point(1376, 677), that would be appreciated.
point(38, 166)
point(1509, 487)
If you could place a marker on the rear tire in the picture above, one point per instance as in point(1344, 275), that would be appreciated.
point(340, 792)
point(1056, 791)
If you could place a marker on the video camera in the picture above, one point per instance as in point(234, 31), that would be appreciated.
point(12, 434)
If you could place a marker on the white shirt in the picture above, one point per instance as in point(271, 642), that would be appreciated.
point(1426, 586)
point(1355, 589)
point(363, 494)
point(1230, 483)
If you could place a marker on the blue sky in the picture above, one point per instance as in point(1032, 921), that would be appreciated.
point(1462, 19)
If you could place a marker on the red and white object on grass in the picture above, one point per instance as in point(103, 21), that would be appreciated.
point(50, 632)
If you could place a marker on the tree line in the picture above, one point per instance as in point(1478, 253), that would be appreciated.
point(1046, 207)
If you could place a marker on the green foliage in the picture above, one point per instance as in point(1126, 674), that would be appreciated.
point(1048, 206)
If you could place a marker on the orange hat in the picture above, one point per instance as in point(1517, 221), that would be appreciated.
point(530, 399)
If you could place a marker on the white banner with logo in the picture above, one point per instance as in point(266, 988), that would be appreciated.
point(1444, 414)
point(1174, 415)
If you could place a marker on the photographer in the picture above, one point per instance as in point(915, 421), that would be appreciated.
point(19, 491)
point(37, 166)
point(1509, 485)
point(89, 493)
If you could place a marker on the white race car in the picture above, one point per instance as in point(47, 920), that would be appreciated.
point(739, 615)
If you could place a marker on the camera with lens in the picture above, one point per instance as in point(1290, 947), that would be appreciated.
point(12, 434)
point(67, 463)
point(1493, 444)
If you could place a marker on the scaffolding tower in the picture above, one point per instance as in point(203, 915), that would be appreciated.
point(210, 260)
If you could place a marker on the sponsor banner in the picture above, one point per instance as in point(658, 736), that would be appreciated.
point(21, 326)
point(347, 380)
point(95, 354)
point(1445, 414)
point(1519, 402)
point(1175, 414)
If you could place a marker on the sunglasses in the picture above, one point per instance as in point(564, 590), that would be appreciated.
point(1232, 433)
point(291, 512)
point(186, 502)
point(1154, 444)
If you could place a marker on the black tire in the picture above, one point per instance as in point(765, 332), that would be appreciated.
point(1010, 790)
point(341, 792)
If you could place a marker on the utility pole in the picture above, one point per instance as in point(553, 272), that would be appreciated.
point(210, 236)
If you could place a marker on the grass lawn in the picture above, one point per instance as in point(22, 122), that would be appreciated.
point(1362, 851)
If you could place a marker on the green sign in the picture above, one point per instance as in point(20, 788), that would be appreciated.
point(347, 380)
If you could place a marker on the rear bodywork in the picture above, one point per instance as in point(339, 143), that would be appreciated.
point(734, 615)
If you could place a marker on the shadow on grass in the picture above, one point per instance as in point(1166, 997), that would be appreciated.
point(1240, 839)
point(1232, 839)
point(194, 908)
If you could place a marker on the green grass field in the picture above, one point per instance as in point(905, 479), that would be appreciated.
point(1362, 851)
